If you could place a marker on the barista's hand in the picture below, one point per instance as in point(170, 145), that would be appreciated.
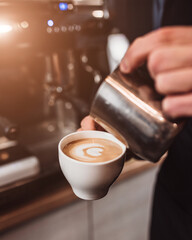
point(168, 52)
point(89, 124)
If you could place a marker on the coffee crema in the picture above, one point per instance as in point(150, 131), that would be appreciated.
point(92, 150)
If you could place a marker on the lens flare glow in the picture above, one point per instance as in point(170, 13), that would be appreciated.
point(5, 28)
point(50, 23)
point(98, 14)
point(63, 6)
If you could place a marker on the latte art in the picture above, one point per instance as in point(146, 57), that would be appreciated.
point(85, 150)
point(92, 150)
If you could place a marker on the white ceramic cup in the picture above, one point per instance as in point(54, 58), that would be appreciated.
point(90, 181)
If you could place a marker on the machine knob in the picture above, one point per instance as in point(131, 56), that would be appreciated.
point(8, 129)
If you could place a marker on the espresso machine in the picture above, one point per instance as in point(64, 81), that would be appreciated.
point(52, 60)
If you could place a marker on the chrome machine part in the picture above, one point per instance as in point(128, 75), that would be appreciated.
point(88, 2)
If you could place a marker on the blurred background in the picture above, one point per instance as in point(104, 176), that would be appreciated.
point(53, 57)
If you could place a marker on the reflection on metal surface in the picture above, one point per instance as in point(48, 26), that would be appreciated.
point(18, 170)
point(88, 2)
point(98, 13)
point(129, 107)
point(134, 99)
point(6, 143)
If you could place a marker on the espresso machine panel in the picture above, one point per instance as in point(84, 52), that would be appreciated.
point(43, 44)
point(44, 25)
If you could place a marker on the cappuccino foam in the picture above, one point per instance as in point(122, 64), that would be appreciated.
point(92, 150)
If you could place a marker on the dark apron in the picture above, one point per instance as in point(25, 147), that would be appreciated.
point(172, 205)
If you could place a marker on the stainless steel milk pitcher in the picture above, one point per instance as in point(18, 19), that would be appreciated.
point(129, 107)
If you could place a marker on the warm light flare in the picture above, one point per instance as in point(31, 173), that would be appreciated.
point(5, 28)
point(98, 14)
